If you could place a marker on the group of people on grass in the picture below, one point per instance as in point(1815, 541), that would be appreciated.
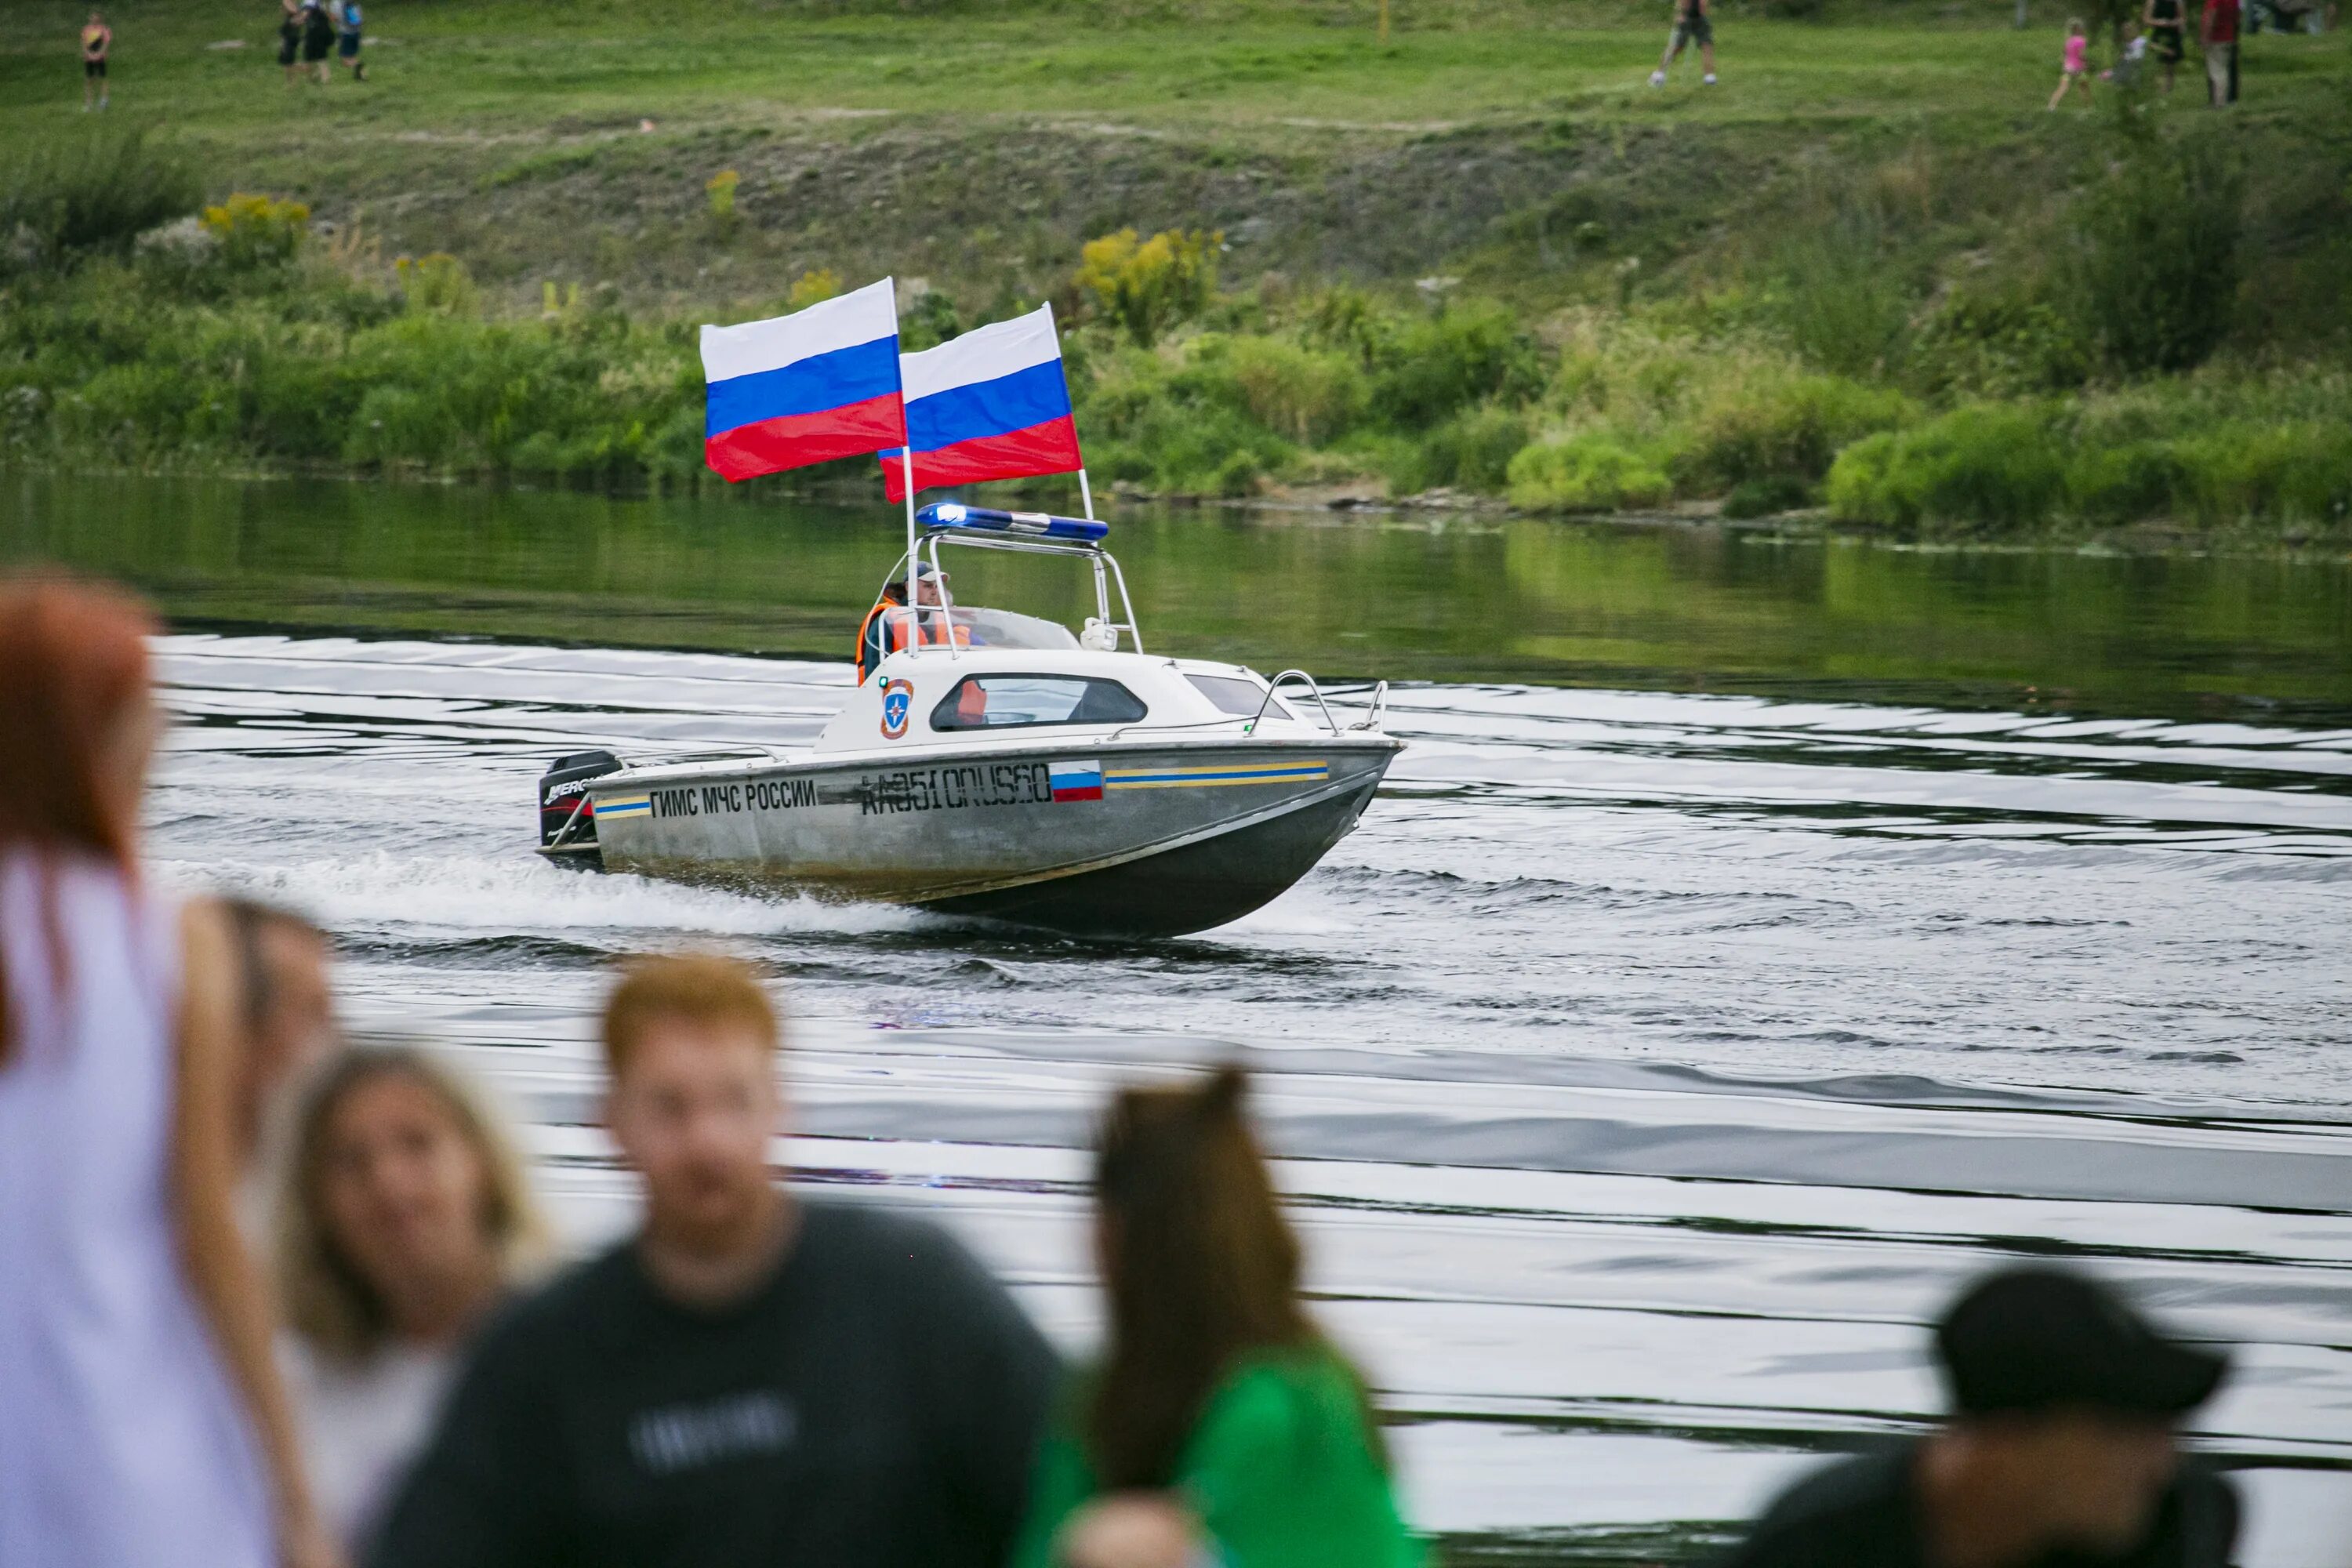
point(309, 33)
point(755, 1378)
point(308, 29)
point(2162, 37)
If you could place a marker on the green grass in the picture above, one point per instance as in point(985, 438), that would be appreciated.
point(483, 86)
point(524, 67)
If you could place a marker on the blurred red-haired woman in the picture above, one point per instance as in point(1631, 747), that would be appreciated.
point(141, 1419)
point(1222, 1426)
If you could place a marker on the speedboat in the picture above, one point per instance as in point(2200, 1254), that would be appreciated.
point(1000, 765)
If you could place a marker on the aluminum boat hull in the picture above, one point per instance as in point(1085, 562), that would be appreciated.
point(1177, 836)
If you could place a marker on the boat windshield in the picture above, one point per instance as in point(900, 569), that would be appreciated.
point(1242, 698)
point(977, 628)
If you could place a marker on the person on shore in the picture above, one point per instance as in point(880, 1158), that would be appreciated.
point(97, 41)
point(754, 1379)
point(2167, 35)
point(2075, 69)
point(145, 1422)
point(2217, 30)
point(1222, 1426)
point(289, 38)
point(2129, 65)
point(1693, 25)
point(348, 25)
point(317, 39)
point(403, 1218)
point(2061, 1448)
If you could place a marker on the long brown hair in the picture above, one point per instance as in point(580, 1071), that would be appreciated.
point(1198, 1266)
point(73, 664)
point(325, 1297)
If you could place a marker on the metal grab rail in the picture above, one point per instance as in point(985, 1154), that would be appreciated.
point(1379, 707)
point(1275, 684)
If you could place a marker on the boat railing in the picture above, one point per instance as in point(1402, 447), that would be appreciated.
point(1275, 684)
point(1105, 566)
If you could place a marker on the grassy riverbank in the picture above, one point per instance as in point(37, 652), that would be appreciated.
point(1866, 273)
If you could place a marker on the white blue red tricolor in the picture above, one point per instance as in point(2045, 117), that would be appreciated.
point(991, 404)
point(1077, 781)
point(809, 388)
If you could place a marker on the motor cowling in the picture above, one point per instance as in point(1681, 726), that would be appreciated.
point(561, 788)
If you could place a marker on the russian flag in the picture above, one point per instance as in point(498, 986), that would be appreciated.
point(809, 388)
point(991, 404)
point(1075, 781)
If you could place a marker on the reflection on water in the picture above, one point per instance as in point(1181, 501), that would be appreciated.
point(1355, 595)
point(1645, 1069)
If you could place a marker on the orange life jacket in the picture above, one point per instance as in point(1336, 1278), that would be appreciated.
point(930, 631)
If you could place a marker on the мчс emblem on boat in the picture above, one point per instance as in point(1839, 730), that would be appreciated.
point(897, 704)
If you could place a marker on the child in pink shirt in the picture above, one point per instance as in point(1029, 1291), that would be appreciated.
point(2078, 64)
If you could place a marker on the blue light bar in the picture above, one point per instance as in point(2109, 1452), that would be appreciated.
point(988, 520)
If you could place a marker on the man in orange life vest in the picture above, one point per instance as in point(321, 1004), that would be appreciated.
point(884, 621)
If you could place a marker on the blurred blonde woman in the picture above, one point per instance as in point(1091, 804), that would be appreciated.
point(403, 1218)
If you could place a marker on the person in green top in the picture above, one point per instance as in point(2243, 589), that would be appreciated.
point(1221, 1429)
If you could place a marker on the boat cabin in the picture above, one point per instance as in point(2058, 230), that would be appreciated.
point(972, 674)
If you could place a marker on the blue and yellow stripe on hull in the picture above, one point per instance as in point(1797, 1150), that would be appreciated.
point(1215, 775)
point(619, 805)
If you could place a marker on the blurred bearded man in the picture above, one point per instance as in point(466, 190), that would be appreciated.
point(751, 1381)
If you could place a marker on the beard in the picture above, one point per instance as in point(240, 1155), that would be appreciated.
point(709, 1210)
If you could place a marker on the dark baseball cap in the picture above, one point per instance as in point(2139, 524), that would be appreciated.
point(2036, 1338)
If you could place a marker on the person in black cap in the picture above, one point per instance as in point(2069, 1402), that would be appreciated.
point(2060, 1451)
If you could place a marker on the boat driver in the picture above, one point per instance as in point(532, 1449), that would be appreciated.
point(884, 621)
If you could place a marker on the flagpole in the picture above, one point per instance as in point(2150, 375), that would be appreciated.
point(914, 610)
point(1086, 495)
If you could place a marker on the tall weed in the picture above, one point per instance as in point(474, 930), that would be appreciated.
point(1848, 308)
point(2157, 250)
point(91, 189)
point(1309, 396)
point(1147, 286)
point(1776, 424)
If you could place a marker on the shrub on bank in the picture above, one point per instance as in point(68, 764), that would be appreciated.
point(1783, 425)
point(1464, 354)
point(1588, 471)
point(1983, 465)
point(2214, 452)
point(1471, 451)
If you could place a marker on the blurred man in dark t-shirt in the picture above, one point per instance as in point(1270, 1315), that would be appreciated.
point(2060, 1452)
point(751, 1381)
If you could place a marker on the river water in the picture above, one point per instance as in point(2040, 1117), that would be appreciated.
point(1756, 938)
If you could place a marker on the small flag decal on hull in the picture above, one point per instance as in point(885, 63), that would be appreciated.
point(1077, 781)
point(1216, 775)
point(612, 808)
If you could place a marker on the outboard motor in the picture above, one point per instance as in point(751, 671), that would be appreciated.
point(560, 791)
